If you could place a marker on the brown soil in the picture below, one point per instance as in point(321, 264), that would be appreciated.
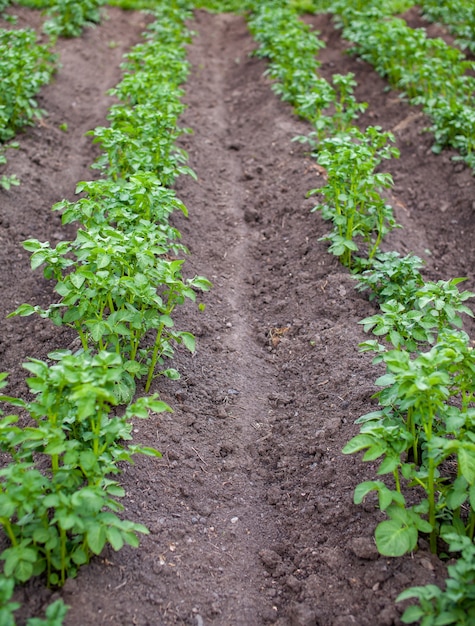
point(250, 509)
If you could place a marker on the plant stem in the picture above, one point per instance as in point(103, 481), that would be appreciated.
point(153, 362)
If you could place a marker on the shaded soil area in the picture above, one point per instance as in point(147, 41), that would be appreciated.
point(250, 508)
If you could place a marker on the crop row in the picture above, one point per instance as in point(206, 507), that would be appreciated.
point(118, 281)
point(427, 70)
point(26, 65)
point(423, 433)
point(457, 15)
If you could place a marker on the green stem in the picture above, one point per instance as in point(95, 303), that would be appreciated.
point(82, 336)
point(412, 429)
point(62, 538)
point(397, 480)
point(471, 524)
point(431, 494)
point(5, 522)
point(153, 362)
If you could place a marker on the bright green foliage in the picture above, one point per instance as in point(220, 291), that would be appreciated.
point(25, 66)
point(58, 503)
point(430, 72)
point(291, 48)
point(426, 418)
point(352, 193)
point(379, 7)
point(7, 181)
point(68, 17)
point(456, 603)
point(133, 5)
point(117, 281)
point(35, 4)
point(55, 613)
point(143, 129)
point(418, 314)
point(457, 15)
point(391, 277)
point(121, 286)
point(221, 6)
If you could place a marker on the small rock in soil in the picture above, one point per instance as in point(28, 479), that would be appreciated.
point(364, 548)
point(270, 558)
point(302, 615)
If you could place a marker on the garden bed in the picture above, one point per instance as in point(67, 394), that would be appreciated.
point(250, 509)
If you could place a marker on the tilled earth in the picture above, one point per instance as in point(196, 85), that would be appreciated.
point(250, 509)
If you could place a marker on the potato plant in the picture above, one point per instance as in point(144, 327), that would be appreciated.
point(68, 17)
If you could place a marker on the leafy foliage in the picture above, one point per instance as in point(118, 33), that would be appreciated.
point(58, 503)
point(25, 66)
point(68, 17)
point(427, 70)
point(457, 15)
point(456, 603)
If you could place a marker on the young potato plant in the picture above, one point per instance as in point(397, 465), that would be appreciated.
point(119, 283)
point(121, 286)
point(425, 424)
point(352, 193)
point(144, 127)
point(457, 15)
point(69, 17)
point(353, 201)
point(426, 421)
point(7, 181)
point(55, 612)
point(291, 48)
point(391, 277)
point(126, 204)
point(58, 502)
point(456, 603)
point(418, 314)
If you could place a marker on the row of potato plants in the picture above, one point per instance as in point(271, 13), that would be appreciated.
point(427, 70)
point(66, 18)
point(457, 15)
point(25, 66)
point(423, 432)
point(118, 281)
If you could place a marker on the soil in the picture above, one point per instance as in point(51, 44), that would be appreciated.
point(250, 509)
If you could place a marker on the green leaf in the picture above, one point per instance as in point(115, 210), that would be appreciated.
point(114, 537)
point(88, 460)
point(360, 442)
point(362, 490)
point(466, 459)
point(96, 538)
point(189, 341)
point(167, 321)
point(394, 539)
point(77, 280)
point(412, 614)
point(171, 373)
